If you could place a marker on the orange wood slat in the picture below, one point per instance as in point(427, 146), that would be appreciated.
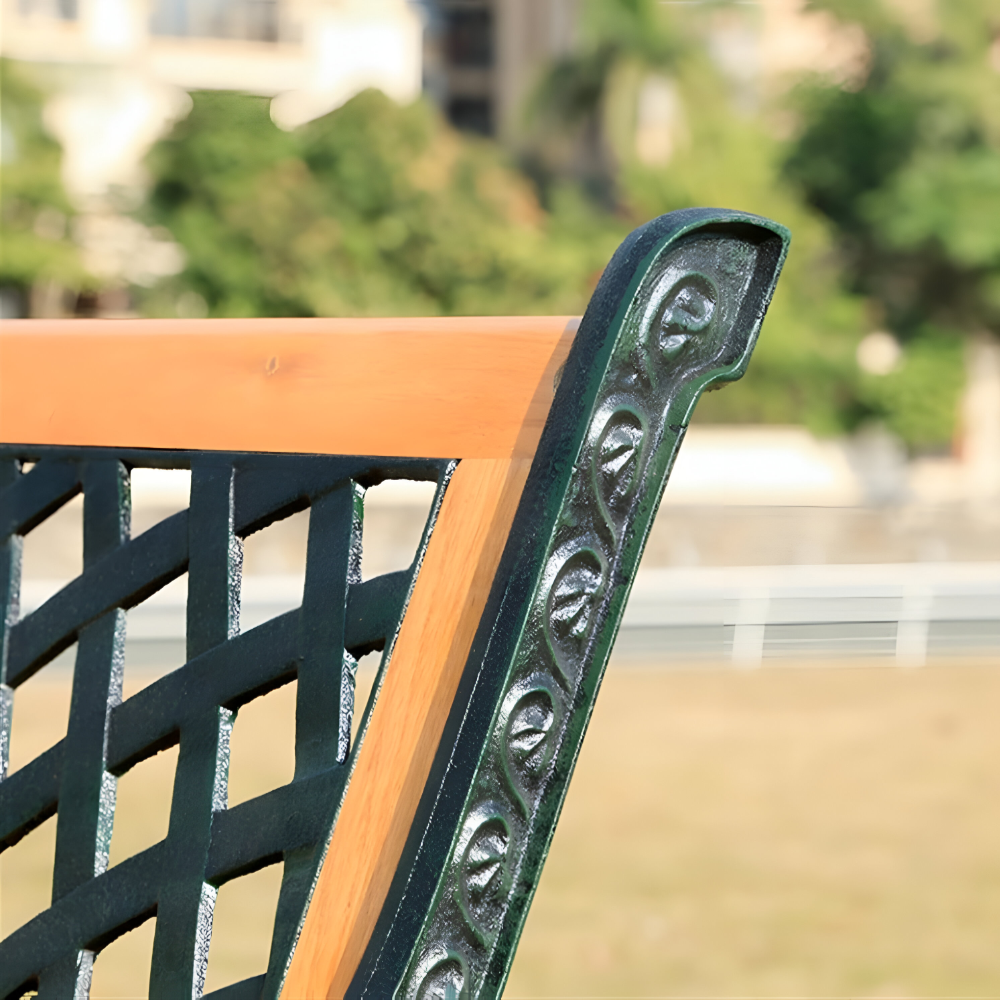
point(451, 387)
point(406, 725)
point(405, 728)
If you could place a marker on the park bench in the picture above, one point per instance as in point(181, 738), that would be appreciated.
point(410, 854)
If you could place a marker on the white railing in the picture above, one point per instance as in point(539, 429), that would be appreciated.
point(741, 615)
point(747, 614)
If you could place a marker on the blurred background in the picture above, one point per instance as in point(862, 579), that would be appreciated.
point(791, 784)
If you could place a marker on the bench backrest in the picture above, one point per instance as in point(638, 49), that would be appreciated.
point(410, 857)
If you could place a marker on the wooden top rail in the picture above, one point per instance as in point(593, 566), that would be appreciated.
point(478, 389)
point(466, 387)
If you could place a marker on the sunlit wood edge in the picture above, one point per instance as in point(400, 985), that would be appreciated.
point(408, 719)
point(457, 387)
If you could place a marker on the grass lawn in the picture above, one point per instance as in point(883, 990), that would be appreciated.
point(822, 832)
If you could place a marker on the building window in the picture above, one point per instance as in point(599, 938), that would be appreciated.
point(469, 38)
point(471, 114)
point(245, 20)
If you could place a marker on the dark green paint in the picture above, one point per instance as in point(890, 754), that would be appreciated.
point(207, 844)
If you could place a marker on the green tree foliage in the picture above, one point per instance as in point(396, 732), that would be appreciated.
point(918, 401)
point(34, 212)
point(373, 209)
point(891, 187)
point(581, 93)
point(906, 167)
point(803, 368)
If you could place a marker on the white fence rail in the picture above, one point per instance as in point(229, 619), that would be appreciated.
point(744, 615)
point(907, 612)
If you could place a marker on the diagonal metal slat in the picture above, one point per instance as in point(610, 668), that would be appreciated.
point(33, 496)
point(341, 618)
point(28, 796)
point(92, 915)
point(121, 579)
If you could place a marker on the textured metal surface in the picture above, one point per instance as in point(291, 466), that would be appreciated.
point(340, 619)
point(678, 308)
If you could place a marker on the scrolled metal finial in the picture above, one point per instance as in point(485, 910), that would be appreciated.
point(483, 870)
point(687, 311)
point(531, 714)
point(683, 324)
point(443, 977)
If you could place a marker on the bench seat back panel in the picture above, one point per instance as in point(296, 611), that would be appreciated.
point(410, 858)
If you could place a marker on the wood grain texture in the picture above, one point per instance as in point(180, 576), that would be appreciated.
point(417, 691)
point(432, 387)
point(406, 724)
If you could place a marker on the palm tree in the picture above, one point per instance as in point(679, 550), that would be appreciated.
point(578, 103)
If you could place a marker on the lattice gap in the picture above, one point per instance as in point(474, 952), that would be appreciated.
point(262, 745)
point(274, 569)
point(52, 554)
point(395, 514)
point(242, 926)
point(367, 674)
point(26, 877)
point(155, 633)
point(41, 710)
point(121, 970)
point(142, 806)
point(155, 636)
point(156, 495)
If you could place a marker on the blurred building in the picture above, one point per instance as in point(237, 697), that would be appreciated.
point(121, 68)
point(119, 72)
point(483, 57)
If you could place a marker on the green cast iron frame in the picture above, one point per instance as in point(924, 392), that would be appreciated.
point(677, 310)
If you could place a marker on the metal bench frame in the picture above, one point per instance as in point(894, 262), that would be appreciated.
point(411, 857)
